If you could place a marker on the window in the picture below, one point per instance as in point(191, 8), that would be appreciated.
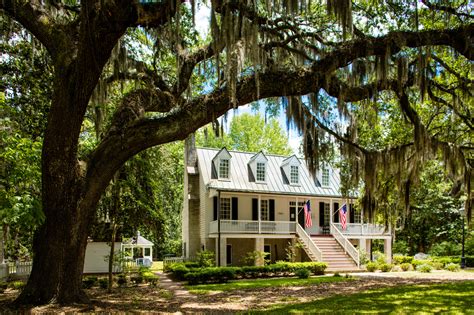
point(224, 168)
point(294, 176)
point(264, 213)
point(260, 172)
point(147, 252)
point(325, 177)
point(225, 209)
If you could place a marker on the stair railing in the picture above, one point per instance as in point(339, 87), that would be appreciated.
point(346, 245)
point(306, 239)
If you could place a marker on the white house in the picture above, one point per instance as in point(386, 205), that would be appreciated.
point(239, 202)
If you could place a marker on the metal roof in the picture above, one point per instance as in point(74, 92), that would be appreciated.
point(276, 183)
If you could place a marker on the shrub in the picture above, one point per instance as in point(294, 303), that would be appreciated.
point(192, 264)
point(396, 268)
point(206, 258)
point(445, 260)
point(424, 268)
point(453, 267)
point(436, 265)
point(417, 263)
point(406, 266)
point(3, 286)
point(371, 266)
point(400, 246)
point(17, 285)
point(211, 275)
point(336, 275)
point(385, 267)
point(137, 279)
point(103, 283)
point(122, 280)
point(179, 270)
point(302, 273)
point(401, 259)
point(89, 282)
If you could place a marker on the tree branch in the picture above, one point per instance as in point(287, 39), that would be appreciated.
point(36, 20)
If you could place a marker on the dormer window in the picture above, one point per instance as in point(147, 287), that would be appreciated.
point(325, 177)
point(260, 172)
point(221, 165)
point(294, 174)
point(224, 168)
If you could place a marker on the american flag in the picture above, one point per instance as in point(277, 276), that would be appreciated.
point(307, 215)
point(343, 216)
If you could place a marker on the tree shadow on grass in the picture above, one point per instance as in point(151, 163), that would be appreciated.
point(453, 298)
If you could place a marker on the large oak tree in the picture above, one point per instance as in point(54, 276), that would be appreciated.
point(358, 52)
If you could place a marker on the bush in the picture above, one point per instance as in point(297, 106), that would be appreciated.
point(371, 266)
point(206, 258)
point(302, 273)
point(211, 275)
point(443, 260)
point(400, 246)
point(453, 267)
point(89, 282)
point(406, 266)
point(424, 268)
point(17, 285)
point(137, 279)
point(417, 263)
point(385, 267)
point(179, 270)
point(436, 265)
point(122, 280)
point(401, 259)
point(103, 283)
point(3, 286)
point(396, 268)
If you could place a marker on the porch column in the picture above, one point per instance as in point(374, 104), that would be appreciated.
point(387, 249)
point(259, 242)
point(223, 252)
point(363, 246)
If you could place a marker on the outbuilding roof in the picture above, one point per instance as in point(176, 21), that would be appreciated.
point(276, 181)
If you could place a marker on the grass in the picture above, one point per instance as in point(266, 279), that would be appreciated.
point(157, 266)
point(452, 298)
point(260, 283)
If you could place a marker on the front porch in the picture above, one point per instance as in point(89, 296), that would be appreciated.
point(353, 230)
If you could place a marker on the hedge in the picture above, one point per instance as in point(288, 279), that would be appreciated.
point(224, 274)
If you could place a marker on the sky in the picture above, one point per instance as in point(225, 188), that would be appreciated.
point(202, 26)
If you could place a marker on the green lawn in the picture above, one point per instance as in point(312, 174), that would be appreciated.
point(157, 266)
point(453, 298)
point(261, 283)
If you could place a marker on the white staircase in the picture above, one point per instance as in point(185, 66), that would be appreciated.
point(334, 254)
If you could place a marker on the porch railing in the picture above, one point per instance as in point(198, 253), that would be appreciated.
point(348, 247)
point(363, 229)
point(253, 227)
point(308, 242)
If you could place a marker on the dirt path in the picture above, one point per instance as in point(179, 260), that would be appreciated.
point(172, 297)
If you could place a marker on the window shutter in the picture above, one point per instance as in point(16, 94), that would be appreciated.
point(254, 209)
point(215, 208)
point(351, 213)
point(272, 209)
point(336, 214)
point(321, 214)
point(235, 208)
